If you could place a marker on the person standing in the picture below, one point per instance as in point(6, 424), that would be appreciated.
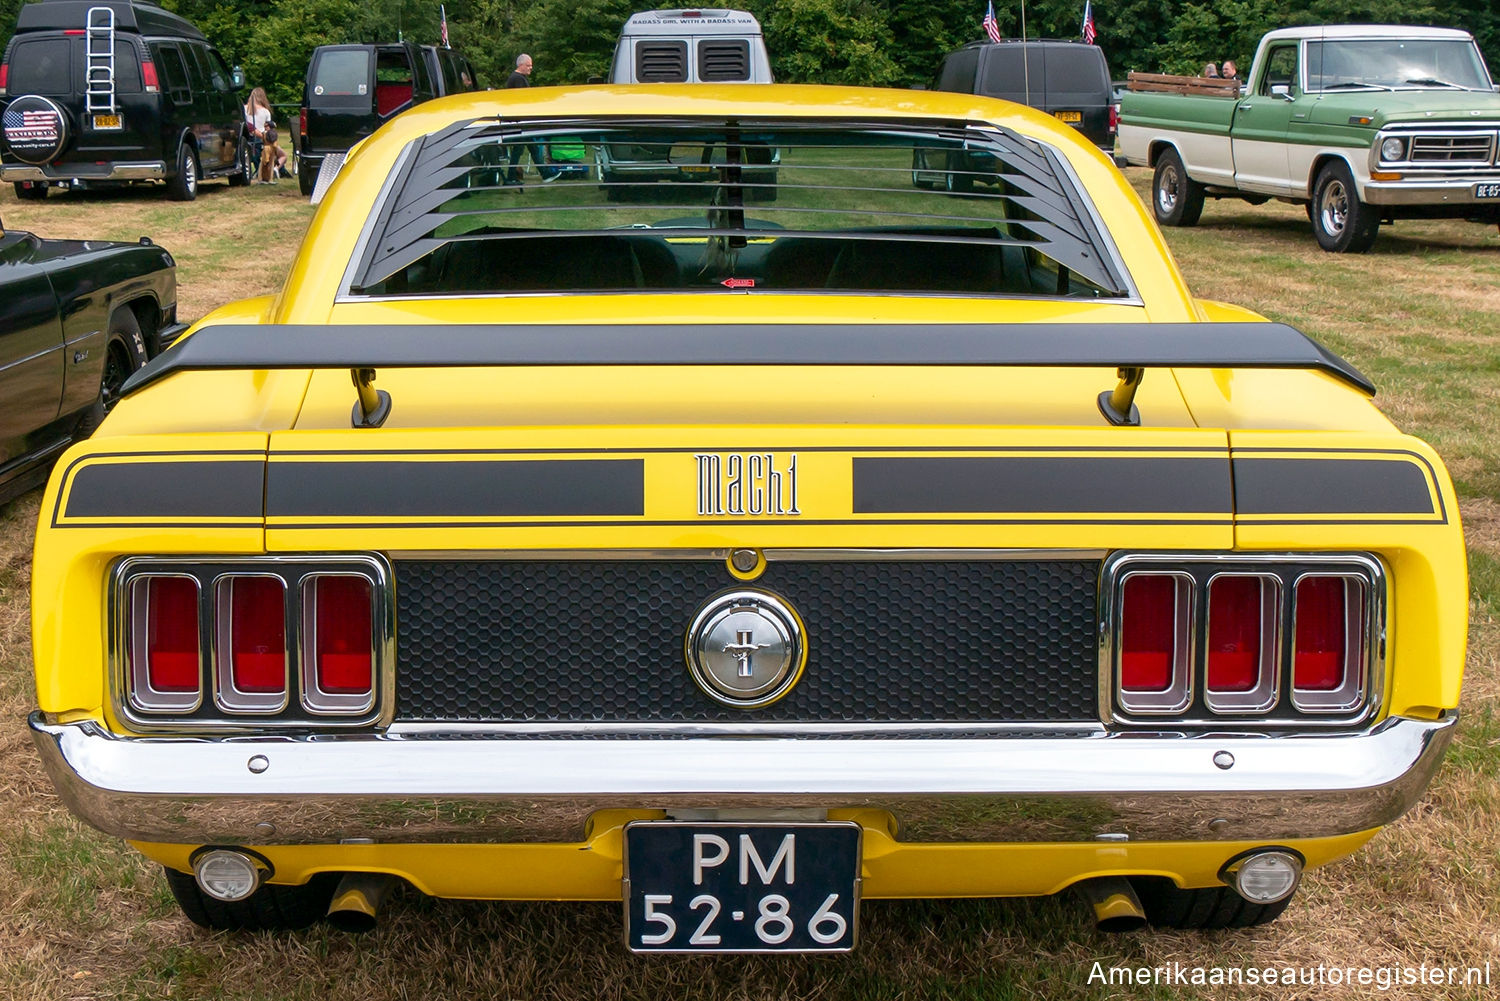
point(521, 77)
point(258, 117)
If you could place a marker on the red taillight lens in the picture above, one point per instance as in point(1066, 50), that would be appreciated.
point(257, 635)
point(1235, 626)
point(343, 652)
point(171, 647)
point(148, 77)
point(1321, 651)
point(302, 123)
point(1114, 118)
point(1149, 633)
point(4, 76)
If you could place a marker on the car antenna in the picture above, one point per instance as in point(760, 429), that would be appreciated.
point(1025, 55)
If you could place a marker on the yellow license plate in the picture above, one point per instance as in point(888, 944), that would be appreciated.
point(106, 121)
point(1071, 117)
point(696, 168)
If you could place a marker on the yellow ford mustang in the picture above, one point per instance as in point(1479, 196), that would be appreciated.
point(857, 506)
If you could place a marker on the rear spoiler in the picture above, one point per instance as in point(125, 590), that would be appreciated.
point(1130, 347)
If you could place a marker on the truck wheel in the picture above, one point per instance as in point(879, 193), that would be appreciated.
point(919, 163)
point(1176, 199)
point(183, 185)
point(957, 179)
point(31, 190)
point(270, 908)
point(1169, 906)
point(244, 171)
point(124, 352)
point(1341, 222)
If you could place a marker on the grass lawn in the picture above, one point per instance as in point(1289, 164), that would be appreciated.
point(85, 917)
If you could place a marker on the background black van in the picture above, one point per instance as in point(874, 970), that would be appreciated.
point(117, 91)
point(1066, 79)
point(352, 90)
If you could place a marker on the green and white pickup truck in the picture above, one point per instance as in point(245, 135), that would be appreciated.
point(1360, 123)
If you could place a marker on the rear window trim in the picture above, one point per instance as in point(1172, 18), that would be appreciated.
point(422, 150)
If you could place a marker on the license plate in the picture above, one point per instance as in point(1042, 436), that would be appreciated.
point(715, 887)
point(697, 168)
point(1487, 191)
point(1071, 117)
point(102, 122)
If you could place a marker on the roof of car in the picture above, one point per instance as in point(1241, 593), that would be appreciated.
point(1343, 31)
point(147, 19)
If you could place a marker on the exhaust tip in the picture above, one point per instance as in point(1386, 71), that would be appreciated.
point(1116, 907)
point(357, 901)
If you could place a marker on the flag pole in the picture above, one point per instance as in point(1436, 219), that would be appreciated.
point(1025, 54)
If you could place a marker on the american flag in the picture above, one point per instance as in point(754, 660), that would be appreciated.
point(443, 10)
point(991, 26)
point(30, 126)
point(1089, 34)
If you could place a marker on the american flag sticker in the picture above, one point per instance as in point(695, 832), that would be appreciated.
point(32, 128)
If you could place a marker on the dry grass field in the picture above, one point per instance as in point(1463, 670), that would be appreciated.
point(81, 916)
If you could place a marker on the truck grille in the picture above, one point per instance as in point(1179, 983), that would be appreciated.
point(889, 642)
point(1467, 148)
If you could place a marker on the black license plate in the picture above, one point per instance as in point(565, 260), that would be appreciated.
point(1486, 191)
point(722, 887)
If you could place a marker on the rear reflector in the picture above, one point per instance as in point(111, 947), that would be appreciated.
point(341, 652)
point(1155, 619)
point(1328, 644)
point(165, 667)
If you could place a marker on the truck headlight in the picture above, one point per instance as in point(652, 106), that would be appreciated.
point(1392, 149)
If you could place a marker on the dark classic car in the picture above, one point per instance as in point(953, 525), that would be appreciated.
point(79, 317)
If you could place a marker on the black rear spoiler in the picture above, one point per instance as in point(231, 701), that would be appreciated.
point(1064, 345)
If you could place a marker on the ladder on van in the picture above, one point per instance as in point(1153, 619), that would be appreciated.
point(99, 47)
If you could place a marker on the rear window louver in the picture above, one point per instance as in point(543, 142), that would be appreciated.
point(661, 62)
point(724, 60)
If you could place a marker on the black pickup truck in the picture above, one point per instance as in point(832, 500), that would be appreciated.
point(79, 317)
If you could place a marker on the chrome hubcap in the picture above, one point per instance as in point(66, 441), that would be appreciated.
point(1334, 208)
point(1166, 190)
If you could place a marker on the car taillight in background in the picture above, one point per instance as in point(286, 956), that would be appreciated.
point(148, 77)
point(302, 123)
point(287, 640)
point(1114, 118)
point(1282, 639)
point(4, 77)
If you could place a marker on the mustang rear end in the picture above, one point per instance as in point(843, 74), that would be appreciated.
point(742, 548)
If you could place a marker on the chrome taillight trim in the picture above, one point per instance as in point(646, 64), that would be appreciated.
point(227, 695)
point(1351, 692)
point(206, 570)
point(1178, 694)
point(133, 661)
point(314, 699)
point(1287, 567)
point(1264, 696)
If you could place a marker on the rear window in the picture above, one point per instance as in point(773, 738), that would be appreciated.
point(42, 66)
point(723, 60)
point(341, 76)
point(661, 61)
point(1076, 75)
point(722, 207)
point(1008, 76)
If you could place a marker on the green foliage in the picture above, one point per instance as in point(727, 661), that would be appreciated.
point(869, 42)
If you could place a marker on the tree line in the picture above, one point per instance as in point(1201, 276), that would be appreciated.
point(862, 42)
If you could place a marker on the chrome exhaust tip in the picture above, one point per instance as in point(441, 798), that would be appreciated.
point(357, 901)
point(1116, 907)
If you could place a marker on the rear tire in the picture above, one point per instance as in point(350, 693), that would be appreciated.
point(31, 191)
point(183, 185)
point(245, 172)
point(1176, 199)
point(270, 908)
point(125, 352)
point(958, 181)
point(1342, 223)
point(1169, 906)
point(919, 164)
point(307, 177)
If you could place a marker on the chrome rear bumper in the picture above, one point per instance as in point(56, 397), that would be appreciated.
point(480, 786)
point(151, 170)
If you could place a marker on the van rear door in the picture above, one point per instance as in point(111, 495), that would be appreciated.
point(340, 98)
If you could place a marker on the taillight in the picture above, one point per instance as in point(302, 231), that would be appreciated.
point(250, 614)
point(1114, 118)
point(4, 77)
point(1155, 637)
point(1328, 643)
point(339, 643)
point(148, 77)
point(163, 645)
point(302, 123)
point(1243, 615)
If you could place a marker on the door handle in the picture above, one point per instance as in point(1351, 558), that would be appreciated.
point(1245, 107)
